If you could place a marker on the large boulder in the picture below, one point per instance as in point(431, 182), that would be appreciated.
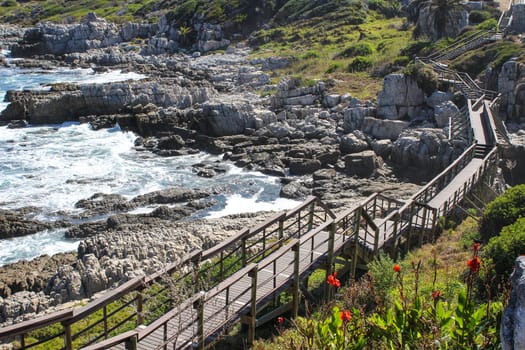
point(443, 111)
point(221, 118)
point(210, 37)
point(353, 117)
point(400, 98)
point(456, 19)
point(513, 323)
point(426, 149)
point(353, 143)
point(362, 164)
point(511, 86)
point(384, 129)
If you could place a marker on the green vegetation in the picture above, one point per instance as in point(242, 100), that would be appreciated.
point(503, 211)
point(346, 52)
point(425, 77)
point(502, 250)
point(440, 296)
point(493, 55)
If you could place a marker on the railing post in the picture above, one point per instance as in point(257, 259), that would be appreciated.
point(243, 252)
point(295, 287)
point(394, 235)
point(199, 306)
point(196, 272)
point(131, 343)
point(140, 307)
point(434, 223)
point(311, 216)
point(221, 265)
point(356, 241)
point(105, 316)
point(68, 339)
point(281, 231)
point(376, 240)
point(424, 226)
point(253, 305)
point(330, 258)
point(409, 227)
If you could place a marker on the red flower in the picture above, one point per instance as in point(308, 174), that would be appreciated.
point(436, 294)
point(397, 268)
point(474, 264)
point(345, 316)
point(332, 280)
point(280, 320)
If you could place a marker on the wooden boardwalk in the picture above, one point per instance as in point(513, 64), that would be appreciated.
point(236, 280)
point(456, 184)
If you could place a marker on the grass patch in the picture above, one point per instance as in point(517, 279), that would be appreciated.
point(328, 50)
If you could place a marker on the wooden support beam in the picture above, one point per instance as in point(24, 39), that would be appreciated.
point(296, 275)
point(253, 306)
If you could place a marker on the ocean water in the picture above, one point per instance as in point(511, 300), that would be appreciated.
point(53, 166)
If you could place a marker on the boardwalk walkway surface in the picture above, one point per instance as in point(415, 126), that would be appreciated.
point(193, 302)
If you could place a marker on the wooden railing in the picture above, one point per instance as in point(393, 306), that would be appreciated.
point(142, 298)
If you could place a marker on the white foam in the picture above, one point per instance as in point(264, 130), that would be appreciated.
point(236, 204)
point(110, 77)
point(29, 247)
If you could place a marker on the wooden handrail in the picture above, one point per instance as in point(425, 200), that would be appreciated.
point(207, 254)
point(309, 200)
point(106, 299)
point(27, 326)
point(116, 340)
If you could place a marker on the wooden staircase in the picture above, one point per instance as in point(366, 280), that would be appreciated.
point(466, 44)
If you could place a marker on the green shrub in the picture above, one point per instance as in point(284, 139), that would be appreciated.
point(416, 48)
point(402, 60)
point(359, 64)
point(358, 49)
point(504, 249)
point(388, 8)
point(384, 280)
point(493, 55)
point(478, 16)
point(502, 211)
point(489, 24)
point(334, 67)
point(9, 3)
point(310, 55)
point(425, 77)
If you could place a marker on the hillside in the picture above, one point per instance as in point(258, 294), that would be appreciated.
point(351, 44)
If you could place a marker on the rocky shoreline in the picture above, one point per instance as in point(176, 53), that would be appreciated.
point(333, 146)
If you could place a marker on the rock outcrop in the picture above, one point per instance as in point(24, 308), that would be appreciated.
point(70, 102)
point(92, 33)
point(511, 85)
point(513, 322)
point(400, 98)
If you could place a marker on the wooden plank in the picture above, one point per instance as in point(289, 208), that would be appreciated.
point(463, 176)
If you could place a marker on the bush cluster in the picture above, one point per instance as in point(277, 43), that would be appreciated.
point(425, 77)
point(503, 249)
point(357, 49)
point(503, 211)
